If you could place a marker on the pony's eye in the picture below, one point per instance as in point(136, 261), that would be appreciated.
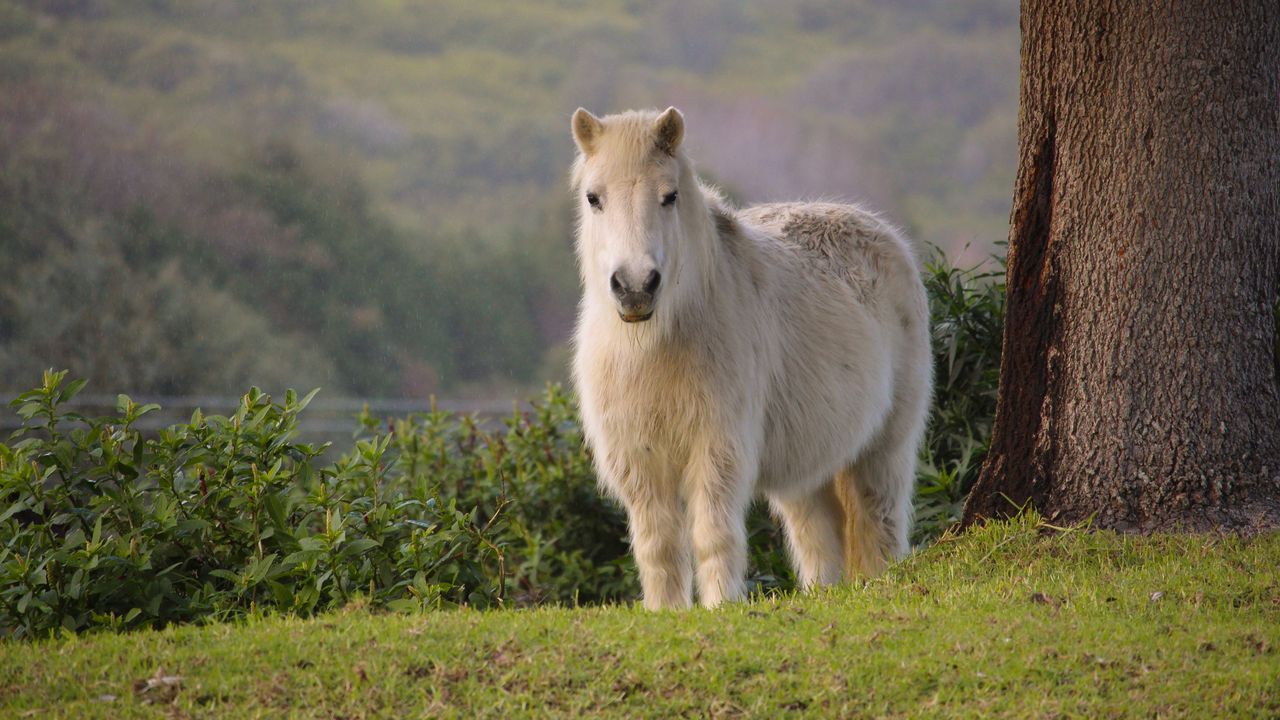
point(593, 200)
point(669, 199)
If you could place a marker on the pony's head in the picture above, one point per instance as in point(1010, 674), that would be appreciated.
point(638, 202)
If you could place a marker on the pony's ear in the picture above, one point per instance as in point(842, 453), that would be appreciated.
point(668, 130)
point(586, 130)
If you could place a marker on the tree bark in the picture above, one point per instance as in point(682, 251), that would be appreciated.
point(1138, 386)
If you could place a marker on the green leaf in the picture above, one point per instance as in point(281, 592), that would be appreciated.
point(355, 547)
point(192, 525)
point(276, 508)
point(312, 544)
point(292, 560)
point(149, 407)
point(305, 401)
point(75, 538)
point(225, 575)
point(281, 593)
point(404, 605)
point(73, 388)
point(13, 509)
point(259, 568)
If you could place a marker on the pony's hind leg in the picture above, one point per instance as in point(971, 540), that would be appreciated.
point(813, 524)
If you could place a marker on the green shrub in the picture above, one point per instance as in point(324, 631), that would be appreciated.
point(967, 309)
point(559, 540)
point(104, 527)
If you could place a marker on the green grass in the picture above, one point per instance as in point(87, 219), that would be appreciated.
point(1010, 620)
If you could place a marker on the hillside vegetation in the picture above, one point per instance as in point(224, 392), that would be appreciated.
point(1012, 620)
point(198, 195)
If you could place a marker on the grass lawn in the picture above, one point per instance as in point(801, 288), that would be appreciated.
point(1010, 620)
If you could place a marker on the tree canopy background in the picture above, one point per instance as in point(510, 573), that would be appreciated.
point(199, 195)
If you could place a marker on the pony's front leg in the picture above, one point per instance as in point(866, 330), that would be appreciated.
point(658, 541)
point(719, 492)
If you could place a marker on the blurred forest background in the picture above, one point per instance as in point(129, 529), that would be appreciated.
point(371, 196)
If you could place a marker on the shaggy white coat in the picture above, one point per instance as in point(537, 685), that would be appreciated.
point(787, 356)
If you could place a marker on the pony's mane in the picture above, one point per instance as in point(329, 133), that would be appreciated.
point(723, 213)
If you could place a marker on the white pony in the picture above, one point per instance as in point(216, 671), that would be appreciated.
point(780, 350)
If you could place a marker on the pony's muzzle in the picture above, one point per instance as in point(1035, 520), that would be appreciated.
point(635, 302)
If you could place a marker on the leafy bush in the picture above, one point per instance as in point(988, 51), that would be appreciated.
point(556, 537)
point(967, 309)
point(103, 527)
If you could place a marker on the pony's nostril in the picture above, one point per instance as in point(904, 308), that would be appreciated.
point(651, 282)
point(622, 288)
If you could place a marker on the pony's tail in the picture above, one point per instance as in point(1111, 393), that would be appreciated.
point(867, 550)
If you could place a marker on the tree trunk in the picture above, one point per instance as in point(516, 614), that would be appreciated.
point(1138, 385)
